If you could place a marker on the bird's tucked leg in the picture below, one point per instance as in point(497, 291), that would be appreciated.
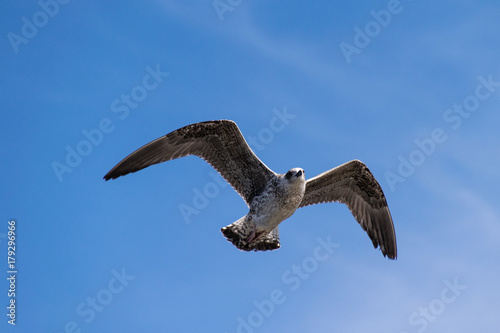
point(244, 236)
point(239, 233)
point(267, 242)
point(252, 236)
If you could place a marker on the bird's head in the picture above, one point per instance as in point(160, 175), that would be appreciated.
point(295, 174)
point(294, 181)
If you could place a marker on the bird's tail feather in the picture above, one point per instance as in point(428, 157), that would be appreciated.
point(243, 235)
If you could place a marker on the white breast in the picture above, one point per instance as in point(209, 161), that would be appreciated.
point(277, 203)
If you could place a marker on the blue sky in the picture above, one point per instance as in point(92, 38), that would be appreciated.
point(411, 88)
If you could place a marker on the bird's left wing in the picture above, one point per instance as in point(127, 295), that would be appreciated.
point(218, 142)
point(354, 185)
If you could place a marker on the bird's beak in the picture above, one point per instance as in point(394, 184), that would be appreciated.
point(299, 173)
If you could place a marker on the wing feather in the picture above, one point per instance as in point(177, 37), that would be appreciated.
point(355, 186)
point(218, 142)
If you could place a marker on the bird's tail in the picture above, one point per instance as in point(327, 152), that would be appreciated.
point(244, 236)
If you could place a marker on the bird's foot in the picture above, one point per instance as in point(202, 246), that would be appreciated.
point(251, 237)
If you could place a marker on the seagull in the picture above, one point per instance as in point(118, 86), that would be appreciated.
point(271, 197)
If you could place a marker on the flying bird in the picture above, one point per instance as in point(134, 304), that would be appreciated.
point(271, 197)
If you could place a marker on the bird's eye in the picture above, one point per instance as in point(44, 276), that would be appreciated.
point(288, 175)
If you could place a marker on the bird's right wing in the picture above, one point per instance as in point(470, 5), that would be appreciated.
point(218, 142)
point(354, 185)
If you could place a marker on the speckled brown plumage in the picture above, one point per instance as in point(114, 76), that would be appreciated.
point(271, 197)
